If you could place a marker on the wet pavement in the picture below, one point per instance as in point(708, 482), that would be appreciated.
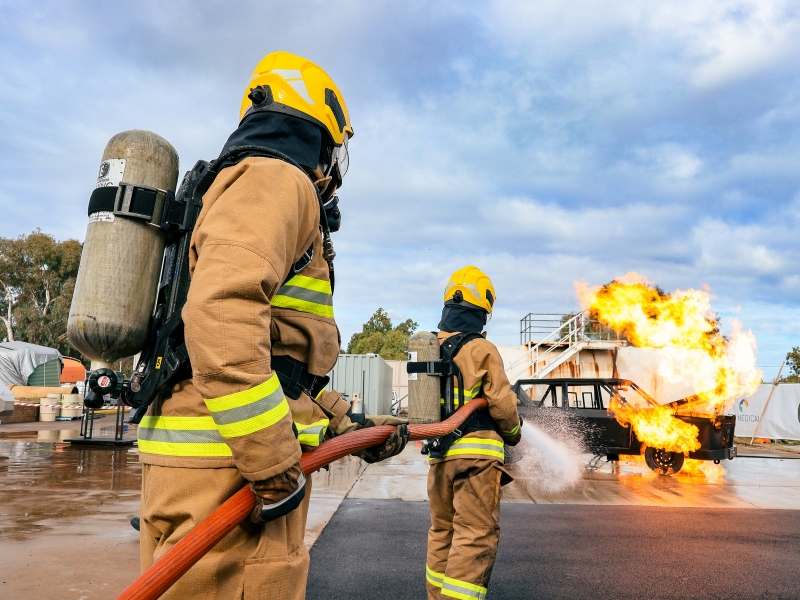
point(769, 480)
point(64, 512)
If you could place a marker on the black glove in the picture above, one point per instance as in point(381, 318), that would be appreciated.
point(278, 495)
point(513, 440)
point(391, 447)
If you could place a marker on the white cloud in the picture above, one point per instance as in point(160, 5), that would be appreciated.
point(545, 143)
point(717, 41)
point(737, 251)
point(669, 160)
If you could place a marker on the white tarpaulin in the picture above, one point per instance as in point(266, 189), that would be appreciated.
point(782, 419)
point(19, 359)
point(6, 401)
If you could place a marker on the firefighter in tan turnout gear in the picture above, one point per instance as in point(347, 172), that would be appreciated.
point(466, 472)
point(260, 334)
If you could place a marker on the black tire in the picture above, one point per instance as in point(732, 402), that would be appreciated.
point(663, 462)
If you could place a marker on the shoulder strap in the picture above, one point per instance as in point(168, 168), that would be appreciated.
point(452, 345)
point(449, 348)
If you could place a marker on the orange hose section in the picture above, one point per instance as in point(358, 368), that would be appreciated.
point(169, 568)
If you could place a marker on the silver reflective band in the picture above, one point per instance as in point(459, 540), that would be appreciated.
point(459, 591)
point(433, 577)
point(248, 411)
point(180, 436)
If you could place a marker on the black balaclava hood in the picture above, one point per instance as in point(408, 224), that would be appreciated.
point(462, 318)
point(297, 138)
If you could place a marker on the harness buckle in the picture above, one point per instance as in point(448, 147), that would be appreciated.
point(311, 384)
point(304, 260)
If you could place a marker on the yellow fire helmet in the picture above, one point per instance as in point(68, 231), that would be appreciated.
point(473, 286)
point(287, 83)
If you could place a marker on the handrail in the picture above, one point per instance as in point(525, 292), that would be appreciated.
point(573, 328)
point(562, 342)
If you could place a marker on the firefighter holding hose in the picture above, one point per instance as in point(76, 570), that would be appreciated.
point(466, 468)
point(260, 333)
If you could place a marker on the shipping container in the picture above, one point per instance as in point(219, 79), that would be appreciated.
point(365, 374)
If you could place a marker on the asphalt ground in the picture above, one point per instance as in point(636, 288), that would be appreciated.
point(376, 549)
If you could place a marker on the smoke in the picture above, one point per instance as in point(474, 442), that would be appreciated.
point(548, 459)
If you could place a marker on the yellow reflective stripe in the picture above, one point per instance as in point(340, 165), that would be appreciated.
point(468, 394)
point(455, 588)
point(313, 308)
point(181, 436)
point(473, 451)
point(309, 283)
point(256, 423)
point(246, 397)
point(185, 449)
point(475, 445)
point(186, 423)
point(433, 577)
point(249, 411)
point(312, 434)
point(514, 431)
point(478, 440)
point(305, 294)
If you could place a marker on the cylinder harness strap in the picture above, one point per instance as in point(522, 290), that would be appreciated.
point(132, 201)
point(446, 369)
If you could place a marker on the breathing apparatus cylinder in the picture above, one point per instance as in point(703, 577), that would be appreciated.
point(424, 405)
point(117, 282)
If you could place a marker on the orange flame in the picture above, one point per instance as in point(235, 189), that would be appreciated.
point(692, 469)
point(695, 353)
point(657, 427)
point(702, 468)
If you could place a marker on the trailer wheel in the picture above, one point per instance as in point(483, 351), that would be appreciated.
point(663, 462)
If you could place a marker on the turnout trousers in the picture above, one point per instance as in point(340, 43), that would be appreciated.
point(266, 562)
point(464, 496)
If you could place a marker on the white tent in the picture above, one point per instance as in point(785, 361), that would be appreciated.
point(19, 359)
point(6, 401)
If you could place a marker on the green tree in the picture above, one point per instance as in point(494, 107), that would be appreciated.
point(10, 280)
point(793, 362)
point(395, 345)
point(378, 336)
point(367, 344)
point(378, 323)
point(37, 275)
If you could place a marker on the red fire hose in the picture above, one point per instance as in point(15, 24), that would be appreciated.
point(169, 568)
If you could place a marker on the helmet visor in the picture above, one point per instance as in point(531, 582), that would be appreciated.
point(341, 158)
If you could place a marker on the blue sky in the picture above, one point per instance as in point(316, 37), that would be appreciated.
point(544, 142)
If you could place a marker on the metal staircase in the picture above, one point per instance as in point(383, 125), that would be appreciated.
point(564, 337)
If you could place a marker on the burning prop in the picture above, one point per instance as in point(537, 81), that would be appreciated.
point(695, 353)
